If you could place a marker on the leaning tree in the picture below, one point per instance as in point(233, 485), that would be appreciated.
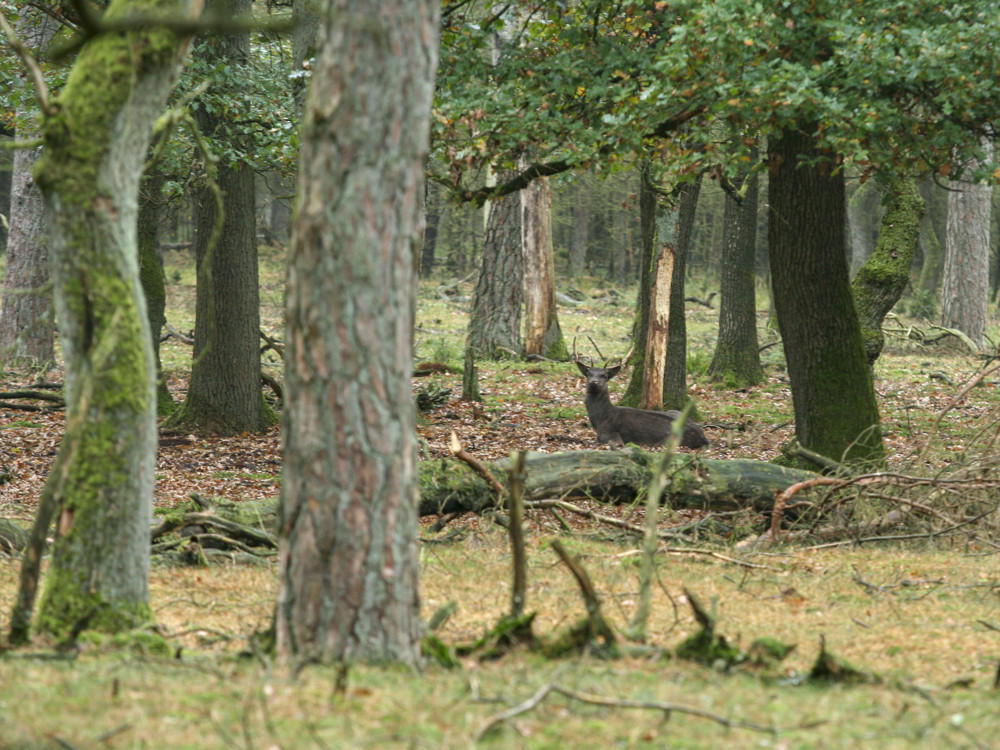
point(95, 136)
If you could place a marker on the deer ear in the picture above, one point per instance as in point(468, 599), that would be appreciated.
point(583, 368)
point(612, 371)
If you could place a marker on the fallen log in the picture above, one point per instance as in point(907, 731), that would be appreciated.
point(615, 476)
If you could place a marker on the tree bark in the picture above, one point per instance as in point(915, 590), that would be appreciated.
point(965, 289)
point(543, 336)
point(675, 395)
point(881, 280)
point(836, 413)
point(26, 326)
point(95, 142)
point(659, 377)
point(495, 321)
point(224, 394)
point(737, 355)
point(348, 576)
point(432, 212)
point(932, 228)
point(151, 276)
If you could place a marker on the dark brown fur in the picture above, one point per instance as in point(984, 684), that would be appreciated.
point(622, 424)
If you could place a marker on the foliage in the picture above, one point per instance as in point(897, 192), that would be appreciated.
point(256, 102)
point(891, 84)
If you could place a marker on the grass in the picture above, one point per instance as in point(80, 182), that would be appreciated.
point(924, 617)
point(919, 617)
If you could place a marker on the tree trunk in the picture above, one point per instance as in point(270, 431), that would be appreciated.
point(659, 377)
point(965, 289)
point(151, 276)
point(836, 414)
point(543, 335)
point(932, 228)
point(736, 361)
point(224, 394)
point(432, 211)
point(95, 142)
point(495, 321)
point(26, 330)
point(348, 577)
point(881, 280)
point(675, 394)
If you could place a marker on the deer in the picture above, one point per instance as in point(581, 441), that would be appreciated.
point(619, 425)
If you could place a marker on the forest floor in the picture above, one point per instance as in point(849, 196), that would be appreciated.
point(922, 618)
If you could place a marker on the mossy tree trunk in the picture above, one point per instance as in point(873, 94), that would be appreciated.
point(225, 392)
point(881, 280)
point(836, 413)
point(348, 556)
point(151, 276)
point(95, 141)
point(736, 361)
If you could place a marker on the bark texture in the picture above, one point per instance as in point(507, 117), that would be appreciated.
point(965, 289)
point(659, 377)
point(542, 334)
point(224, 395)
point(95, 143)
point(26, 329)
point(736, 361)
point(153, 283)
point(495, 321)
point(835, 409)
point(348, 578)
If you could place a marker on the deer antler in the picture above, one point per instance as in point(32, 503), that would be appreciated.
point(625, 359)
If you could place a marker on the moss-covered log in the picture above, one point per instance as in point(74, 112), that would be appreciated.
point(447, 486)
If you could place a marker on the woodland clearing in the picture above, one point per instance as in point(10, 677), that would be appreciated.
point(919, 618)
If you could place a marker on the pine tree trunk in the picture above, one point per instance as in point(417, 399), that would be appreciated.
point(224, 395)
point(737, 356)
point(965, 289)
point(94, 147)
point(348, 577)
point(836, 414)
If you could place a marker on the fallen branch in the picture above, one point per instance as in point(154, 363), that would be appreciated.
point(665, 707)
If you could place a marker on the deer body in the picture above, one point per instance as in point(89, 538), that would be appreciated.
point(622, 424)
